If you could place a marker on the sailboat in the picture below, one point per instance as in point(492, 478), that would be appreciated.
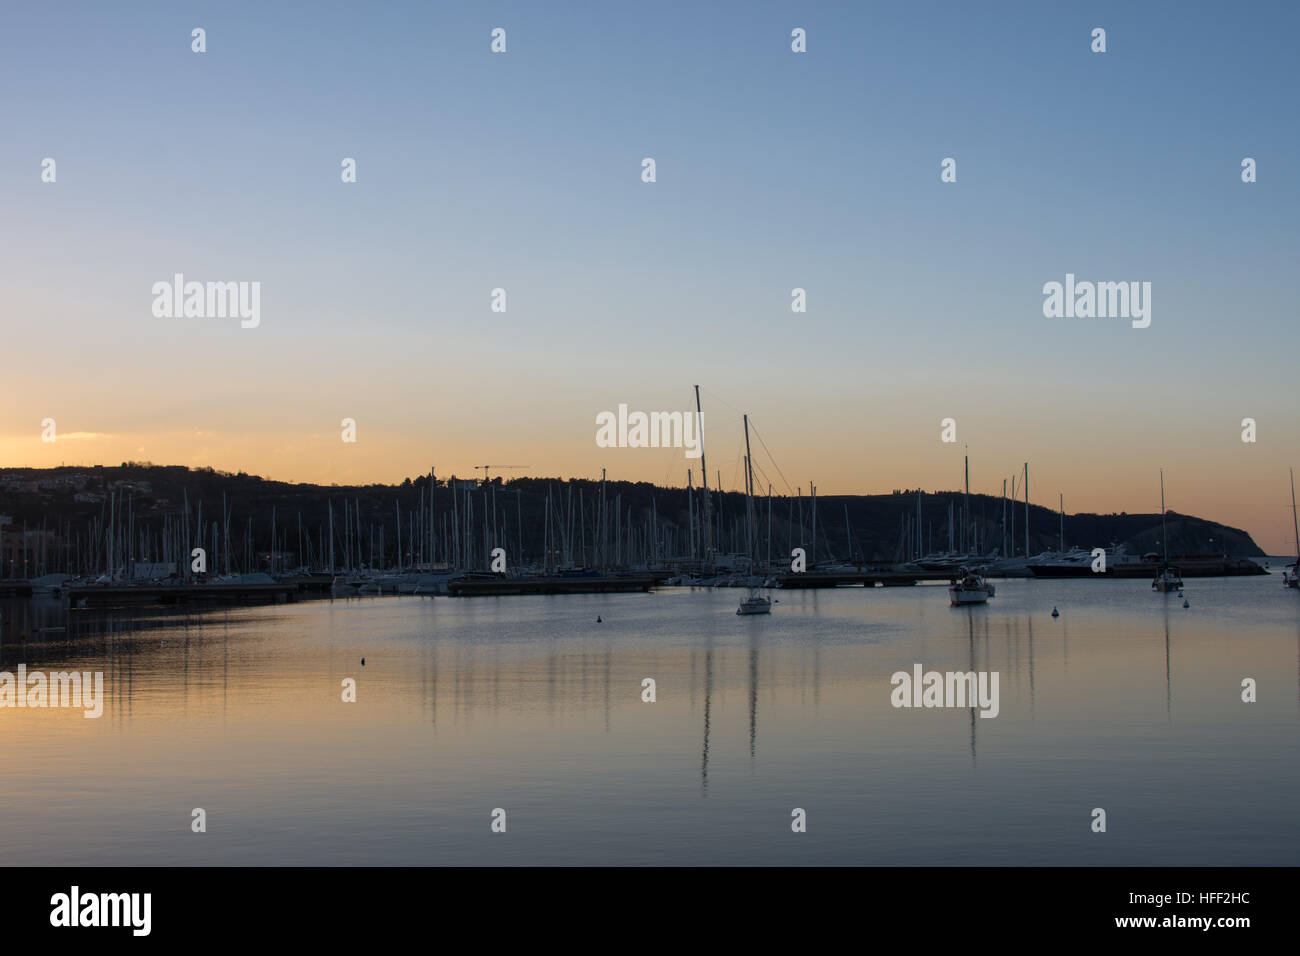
point(969, 587)
point(755, 603)
point(1291, 575)
point(1167, 578)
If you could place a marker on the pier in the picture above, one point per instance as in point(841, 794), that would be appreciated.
point(866, 578)
point(577, 584)
point(119, 595)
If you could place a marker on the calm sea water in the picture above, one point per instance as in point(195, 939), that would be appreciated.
point(1127, 702)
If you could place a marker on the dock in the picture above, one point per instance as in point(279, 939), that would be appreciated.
point(866, 578)
point(118, 595)
point(576, 584)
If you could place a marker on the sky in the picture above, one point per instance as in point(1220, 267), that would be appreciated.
point(775, 170)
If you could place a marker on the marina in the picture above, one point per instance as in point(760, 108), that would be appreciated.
point(456, 537)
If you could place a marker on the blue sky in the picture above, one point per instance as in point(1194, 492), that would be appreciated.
point(775, 170)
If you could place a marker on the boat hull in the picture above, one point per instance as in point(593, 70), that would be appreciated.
point(1167, 580)
point(959, 597)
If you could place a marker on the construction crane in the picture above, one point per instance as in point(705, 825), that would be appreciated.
point(484, 469)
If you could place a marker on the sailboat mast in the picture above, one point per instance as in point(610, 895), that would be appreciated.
point(1026, 509)
point(965, 508)
point(1164, 535)
point(704, 477)
point(1013, 515)
point(769, 526)
point(812, 490)
point(749, 500)
point(1294, 523)
point(848, 532)
point(1004, 517)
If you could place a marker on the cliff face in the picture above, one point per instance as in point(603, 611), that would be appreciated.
point(585, 524)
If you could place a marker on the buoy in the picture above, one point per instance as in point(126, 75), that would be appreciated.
point(597, 618)
point(363, 662)
point(1055, 613)
point(1185, 604)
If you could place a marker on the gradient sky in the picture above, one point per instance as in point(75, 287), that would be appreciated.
point(775, 170)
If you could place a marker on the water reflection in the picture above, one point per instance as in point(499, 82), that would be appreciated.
point(1169, 680)
point(518, 700)
point(708, 705)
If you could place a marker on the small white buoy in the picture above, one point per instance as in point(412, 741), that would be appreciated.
point(1055, 613)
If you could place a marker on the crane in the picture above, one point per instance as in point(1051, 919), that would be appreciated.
point(484, 469)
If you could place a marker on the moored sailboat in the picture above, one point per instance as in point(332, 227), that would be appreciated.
point(1291, 574)
point(755, 603)
point(1167, 578)
point(969, 588)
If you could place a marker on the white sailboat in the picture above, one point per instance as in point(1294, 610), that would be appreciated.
point(969, 588)
point(1291, 575)
point(1167, 578)
point(755, 603)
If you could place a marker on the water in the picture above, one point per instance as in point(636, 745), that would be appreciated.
point(1127, 702)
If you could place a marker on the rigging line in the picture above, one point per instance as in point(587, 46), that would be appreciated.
point(672, 460)
point(721, 425)
point(720, 398)
point(739, 464)
point(771, 456)
point(762, 474)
